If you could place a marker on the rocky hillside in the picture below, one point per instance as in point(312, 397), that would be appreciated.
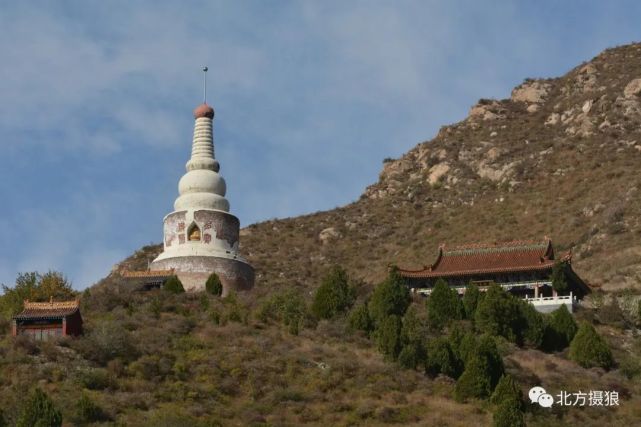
point(559, 158)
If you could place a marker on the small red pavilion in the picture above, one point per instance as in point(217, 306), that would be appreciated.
point(45, 320)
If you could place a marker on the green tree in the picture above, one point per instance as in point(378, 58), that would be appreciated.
point(388, 336)
point(535, 325)
point(213, 285)
point(334, 296)
point(499, 314)
point(287, 307)
point(390, 297)
point(589, 349)
point(359, 319)
point(483, 369)
point(39, 411)
point(467, 346)
point(409, 356)
point(471, 299)
point(559, 282)
point(443, 305)
point(414, 328)
point(560, 329)
point(34, 287)
point(441, 359)
point(507, 389)
point(3, 422)
point(509, 414)
point(174, 285)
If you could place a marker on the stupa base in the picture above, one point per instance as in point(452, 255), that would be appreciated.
point(193, 272)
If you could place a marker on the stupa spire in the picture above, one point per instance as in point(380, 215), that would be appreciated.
point(202, 187)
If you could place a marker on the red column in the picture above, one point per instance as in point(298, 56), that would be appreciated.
point(14, 328)
point(64, 326)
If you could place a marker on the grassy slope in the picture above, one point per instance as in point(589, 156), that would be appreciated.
point(581, 191)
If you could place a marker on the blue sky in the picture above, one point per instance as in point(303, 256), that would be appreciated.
point(96, 101)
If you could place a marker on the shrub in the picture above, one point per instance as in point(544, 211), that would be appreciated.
point(174, 285)
point(612, 313)
point(335, 295)
point(559, 283)
point(589, 349)
point(388, 336)
point(94, 378)
point(3, 422)
point(441, 359)
point(390, 297)
point(471, 299)
point(499, 314)
point(87, 411)
point(507, 389)
point(560, 329)
point(287, 307)
point(106, 341)
point(213, 285)
point(39, 411)
point(359, 319)
point(509, 414)
point(443, 305)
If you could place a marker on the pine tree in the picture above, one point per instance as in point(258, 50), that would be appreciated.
point(39, 411)
point(535, 326)
point(475, 381)
point(589, 349)
point(174, 285)
point(441, 359)
point(390, 297)
point(507, 389)
point(359, 319)
point(509, 414)
point(414, 328)
point(560, 329)
point(443, 305)
point(483, 369)
point(213, 285)
point(388, 336)
point(559, 282)
point(409, 356)
point(499, 314)
point(471, 299)
point(335, 295)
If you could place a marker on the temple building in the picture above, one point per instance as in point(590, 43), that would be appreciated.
point(524, 268)
point(201, 236)
point(45, 320)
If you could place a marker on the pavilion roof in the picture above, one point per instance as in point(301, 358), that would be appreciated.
point(475, 259)
point(48, 310)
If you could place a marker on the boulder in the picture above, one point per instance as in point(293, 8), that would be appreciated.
point(531, 92)
point(633, 89)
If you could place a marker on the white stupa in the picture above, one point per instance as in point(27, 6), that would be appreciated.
point(200, 235)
